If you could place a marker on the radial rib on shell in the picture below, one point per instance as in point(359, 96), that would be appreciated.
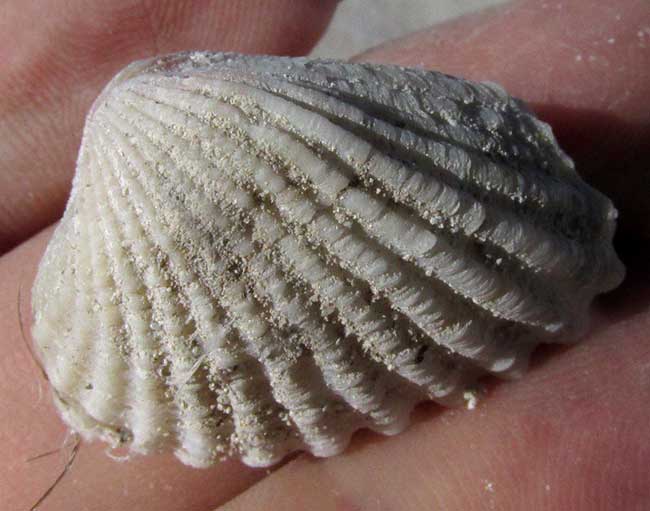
point(265, 254)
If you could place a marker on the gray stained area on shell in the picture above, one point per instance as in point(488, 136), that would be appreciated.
point(265, 254)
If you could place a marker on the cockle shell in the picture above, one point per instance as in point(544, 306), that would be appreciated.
point(265, 254)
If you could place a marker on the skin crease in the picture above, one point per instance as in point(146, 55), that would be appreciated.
point(572, 434)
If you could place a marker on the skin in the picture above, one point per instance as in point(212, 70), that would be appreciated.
point(573, 434)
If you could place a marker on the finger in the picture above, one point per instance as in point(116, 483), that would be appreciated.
point(584, 65)
point(55, 57)
point(31, 427)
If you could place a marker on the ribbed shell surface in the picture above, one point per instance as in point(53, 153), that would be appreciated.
point(265, 254)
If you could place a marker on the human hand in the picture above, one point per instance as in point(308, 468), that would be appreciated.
point(572, 434)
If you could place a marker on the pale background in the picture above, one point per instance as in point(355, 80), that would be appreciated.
point(361, 24)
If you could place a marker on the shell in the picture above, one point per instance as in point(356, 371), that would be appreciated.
point(265, 254)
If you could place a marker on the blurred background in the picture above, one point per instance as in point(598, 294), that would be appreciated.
point(361, 24)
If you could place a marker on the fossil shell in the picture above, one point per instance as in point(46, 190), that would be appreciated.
point(265, 254)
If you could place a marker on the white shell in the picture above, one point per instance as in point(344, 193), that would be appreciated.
point(265, 254)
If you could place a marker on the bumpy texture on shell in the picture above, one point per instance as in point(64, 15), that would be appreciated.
point(265, 254)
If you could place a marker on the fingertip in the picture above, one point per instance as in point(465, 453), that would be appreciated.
point(253, 26)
